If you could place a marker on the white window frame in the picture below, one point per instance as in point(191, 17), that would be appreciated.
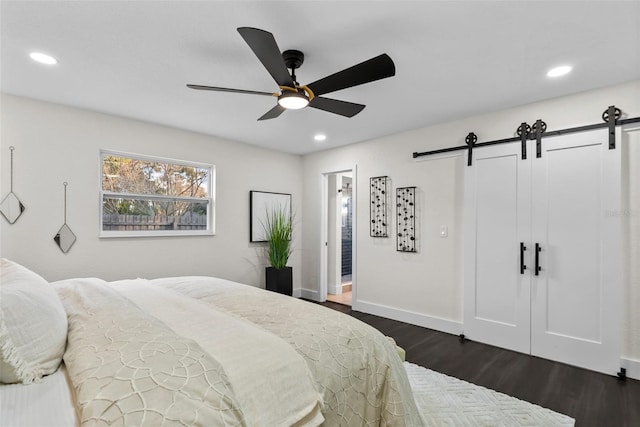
point(158, 233)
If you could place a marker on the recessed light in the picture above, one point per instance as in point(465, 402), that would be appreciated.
point(559, 71)
point(320, 137)
point(43, 58)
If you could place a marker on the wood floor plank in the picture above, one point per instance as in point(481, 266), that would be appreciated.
point(591, 398)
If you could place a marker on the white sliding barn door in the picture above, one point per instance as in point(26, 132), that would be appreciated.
point(576, 296)
point(567, 203)
point(497, 219)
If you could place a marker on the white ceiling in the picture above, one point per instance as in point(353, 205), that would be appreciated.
point(453, 60)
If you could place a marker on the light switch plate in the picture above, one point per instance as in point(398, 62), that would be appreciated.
point(444, 231)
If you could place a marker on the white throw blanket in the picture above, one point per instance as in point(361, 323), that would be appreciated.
point(130, 367)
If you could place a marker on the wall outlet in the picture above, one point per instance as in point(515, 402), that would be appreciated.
point(444, 231)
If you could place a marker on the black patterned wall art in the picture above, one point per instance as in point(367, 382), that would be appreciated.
point(379, 225)
point(406, 219)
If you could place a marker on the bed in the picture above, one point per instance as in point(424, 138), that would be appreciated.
point(211, 352)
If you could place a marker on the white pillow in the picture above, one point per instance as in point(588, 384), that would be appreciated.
point(33, 325)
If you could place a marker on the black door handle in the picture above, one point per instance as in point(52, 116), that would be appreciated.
point(522, 266)
point(537, 256)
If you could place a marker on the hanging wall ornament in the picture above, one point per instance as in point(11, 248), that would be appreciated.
point(378, 191)
point(65, 237)
point(11, 207)
point(406, 219)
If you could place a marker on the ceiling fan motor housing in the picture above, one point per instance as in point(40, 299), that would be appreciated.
point(293, 59)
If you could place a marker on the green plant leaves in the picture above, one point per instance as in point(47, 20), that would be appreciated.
point(278, 230)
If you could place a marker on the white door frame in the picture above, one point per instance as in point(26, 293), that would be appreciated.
point(324, 236)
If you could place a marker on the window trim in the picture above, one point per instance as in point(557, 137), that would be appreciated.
point(210, 231)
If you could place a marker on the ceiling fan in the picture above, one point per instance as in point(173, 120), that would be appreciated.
point(294, 96)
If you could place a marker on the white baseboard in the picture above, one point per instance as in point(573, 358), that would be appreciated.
point(419, 319)
point(632, 366)
point(308, 294)
point(297, 293)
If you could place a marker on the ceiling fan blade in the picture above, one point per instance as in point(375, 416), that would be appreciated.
point(273, 113)
point(266, 49)
point(226, 89)
point(377, 68)
point(347, 109)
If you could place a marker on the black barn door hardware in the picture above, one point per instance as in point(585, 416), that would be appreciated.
point(471, 140)
point(622, 375)
point(537, 257)
point(523, 133)
point(522, 266)
point(585, 128)
point(611, 116)
point(538, 128)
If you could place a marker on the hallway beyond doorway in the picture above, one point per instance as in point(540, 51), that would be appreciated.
point(345, 297)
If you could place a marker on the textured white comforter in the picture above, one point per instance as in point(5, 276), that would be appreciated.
point(206, 351)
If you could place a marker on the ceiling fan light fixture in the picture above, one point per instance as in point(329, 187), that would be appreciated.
point(293, 100)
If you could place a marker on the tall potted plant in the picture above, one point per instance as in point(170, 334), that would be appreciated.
point(278, 230)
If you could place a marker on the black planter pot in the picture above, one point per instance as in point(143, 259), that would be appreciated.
point(280, 280)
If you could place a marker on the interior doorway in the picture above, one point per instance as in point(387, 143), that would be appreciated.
point(340, 237)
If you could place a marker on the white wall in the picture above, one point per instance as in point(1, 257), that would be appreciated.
point(54, 144)
point(426, 288)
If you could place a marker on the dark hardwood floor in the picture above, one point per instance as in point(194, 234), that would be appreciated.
point(592, 399)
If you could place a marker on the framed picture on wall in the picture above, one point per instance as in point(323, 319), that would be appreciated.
point(261, 204)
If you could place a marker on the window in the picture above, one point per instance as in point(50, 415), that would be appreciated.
point(149, 196)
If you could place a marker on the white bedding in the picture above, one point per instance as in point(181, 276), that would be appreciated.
point(210, 352)
point(130, 368)
point(358, 370)
point(248, 353)
point(45, 403)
